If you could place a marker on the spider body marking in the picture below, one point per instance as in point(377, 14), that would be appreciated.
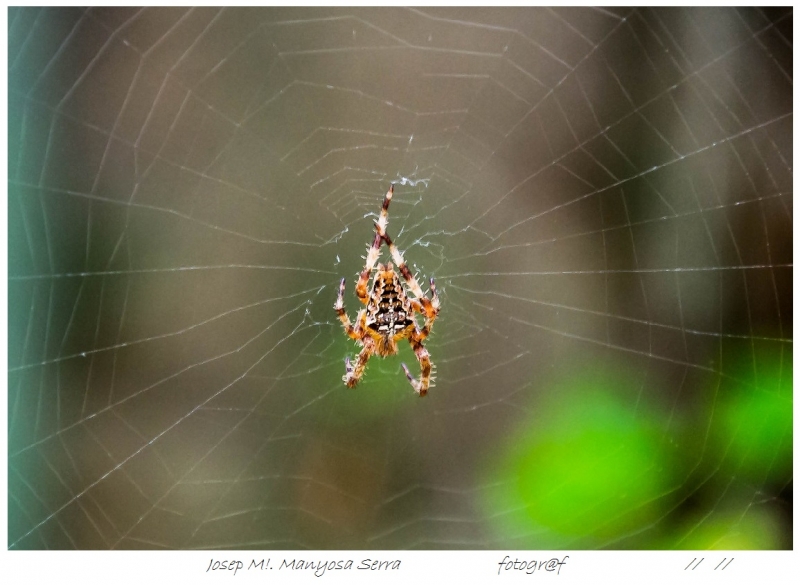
point(389, 314)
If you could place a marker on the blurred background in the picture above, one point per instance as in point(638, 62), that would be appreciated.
point(603, 195)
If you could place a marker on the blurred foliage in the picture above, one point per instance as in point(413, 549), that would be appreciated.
point(751, 430)
point(737, 529)
point(591, 467)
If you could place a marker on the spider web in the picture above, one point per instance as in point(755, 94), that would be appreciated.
point(599, 193)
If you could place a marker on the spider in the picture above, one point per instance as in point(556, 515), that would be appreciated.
point(389, 316)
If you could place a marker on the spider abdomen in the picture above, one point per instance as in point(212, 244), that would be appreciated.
point(388, 316)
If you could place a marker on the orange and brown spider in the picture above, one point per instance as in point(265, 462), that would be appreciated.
point(389, 316)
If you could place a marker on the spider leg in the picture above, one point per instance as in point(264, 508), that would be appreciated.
point(430, 310)
point(353, 373)
point(352, 332)
point(373, 251)
point(383, 220)
point(403, 268)
point(363, 279)
point(420, 386)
